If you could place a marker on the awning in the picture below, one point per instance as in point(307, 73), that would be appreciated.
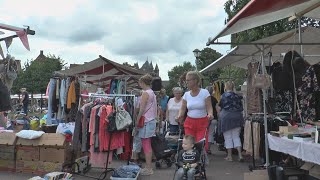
point(101, 70)
point(241, 55)
point(261, 12)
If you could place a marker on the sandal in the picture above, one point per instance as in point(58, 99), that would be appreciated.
point(228, 159)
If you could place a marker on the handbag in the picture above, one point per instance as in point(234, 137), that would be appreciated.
point(141, 122)
point(261, 81)
point(123, 119)
point(142, 118)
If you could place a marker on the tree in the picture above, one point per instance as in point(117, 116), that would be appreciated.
point(208, 56)
point(36, 74)
point(176, 73)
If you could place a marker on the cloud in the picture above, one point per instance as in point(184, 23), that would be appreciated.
point(79, 30)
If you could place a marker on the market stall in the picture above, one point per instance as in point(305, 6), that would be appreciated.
point(271, 51)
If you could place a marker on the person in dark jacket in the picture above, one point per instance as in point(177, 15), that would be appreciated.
point(24, 100)
point(231, 120)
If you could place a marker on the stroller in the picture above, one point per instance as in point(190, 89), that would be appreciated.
point(200, 147)
point(165, 148)
point(162, 152)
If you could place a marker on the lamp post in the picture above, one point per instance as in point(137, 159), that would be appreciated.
point(197, 53)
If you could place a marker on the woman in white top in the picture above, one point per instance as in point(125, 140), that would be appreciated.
point(173, 108)
point(198, 102)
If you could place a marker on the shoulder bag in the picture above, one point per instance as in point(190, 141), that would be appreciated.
point(123, 119)
point(142, 118)
point(261, 81)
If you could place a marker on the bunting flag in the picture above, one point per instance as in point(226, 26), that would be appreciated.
point(8, 42)
point(24, 38)
point(1, 52)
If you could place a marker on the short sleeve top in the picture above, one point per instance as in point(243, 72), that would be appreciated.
point(197, 105)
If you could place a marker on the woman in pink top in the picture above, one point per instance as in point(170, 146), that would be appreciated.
point(148, 109)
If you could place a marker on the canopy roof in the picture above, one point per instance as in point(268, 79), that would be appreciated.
point(261, 12)
point(241, 55)
point(101, 70)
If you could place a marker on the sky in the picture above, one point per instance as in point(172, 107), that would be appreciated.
point(164, 32)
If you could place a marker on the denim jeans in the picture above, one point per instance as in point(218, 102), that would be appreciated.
point(181, 172)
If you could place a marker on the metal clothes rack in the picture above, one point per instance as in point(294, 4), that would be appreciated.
point(107, 169)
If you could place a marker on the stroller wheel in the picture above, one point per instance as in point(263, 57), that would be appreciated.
point(169, 163)
point(158, 164)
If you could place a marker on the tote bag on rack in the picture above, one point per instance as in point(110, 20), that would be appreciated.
point(261, 81)
point(123, 119)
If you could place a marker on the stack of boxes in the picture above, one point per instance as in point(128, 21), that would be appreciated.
point(53, 152)
point(7, 151)
point(42, 155)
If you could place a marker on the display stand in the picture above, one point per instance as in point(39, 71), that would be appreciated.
point(107, 169)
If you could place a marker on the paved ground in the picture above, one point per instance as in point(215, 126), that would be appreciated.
point(218, 169)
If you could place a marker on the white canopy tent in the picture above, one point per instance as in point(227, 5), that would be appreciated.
point(260, 12)
point(241, 55)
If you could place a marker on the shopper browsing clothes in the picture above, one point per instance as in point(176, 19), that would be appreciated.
point(173, 108)
point(188, 159)
point(145, 126)
point(198, 103)
point(163, 102)
point(231, 120)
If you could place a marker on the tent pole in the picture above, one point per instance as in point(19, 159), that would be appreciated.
point(300, 37)
point(264, 91)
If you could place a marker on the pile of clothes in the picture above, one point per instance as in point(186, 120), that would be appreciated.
point(126, 171)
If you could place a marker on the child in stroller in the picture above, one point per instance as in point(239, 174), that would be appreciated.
point(188, 159)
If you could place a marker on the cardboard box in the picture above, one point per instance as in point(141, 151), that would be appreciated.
point(7, 138)
point(48, 154)
point(46, 167)
point(28, 153)
point(52, 140)
point(7, 155)
point(7, 148)
point(27, 142)
point(256, 174)
point(288, 129)
point(7, 165)
point(31, 167)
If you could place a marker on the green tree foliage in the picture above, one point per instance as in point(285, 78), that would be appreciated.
point(36, 74)
point(235, 74)
point(207, 57)
point(176, 73)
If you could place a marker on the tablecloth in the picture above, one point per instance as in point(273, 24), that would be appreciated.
point(307, 151)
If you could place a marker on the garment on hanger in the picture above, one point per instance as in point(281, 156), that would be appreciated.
point(217, 92)
point(254, 95)
point(308, 93)
point(283, 101)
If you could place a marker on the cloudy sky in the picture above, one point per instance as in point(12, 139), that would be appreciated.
point(166, 32)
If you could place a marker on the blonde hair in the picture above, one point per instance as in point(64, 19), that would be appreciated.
point(146, 79)
point(195, 75)
point(229, 86)
point(190, 138)
point(177, 89)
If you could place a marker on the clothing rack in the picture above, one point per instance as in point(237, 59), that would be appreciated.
point(107, 169)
